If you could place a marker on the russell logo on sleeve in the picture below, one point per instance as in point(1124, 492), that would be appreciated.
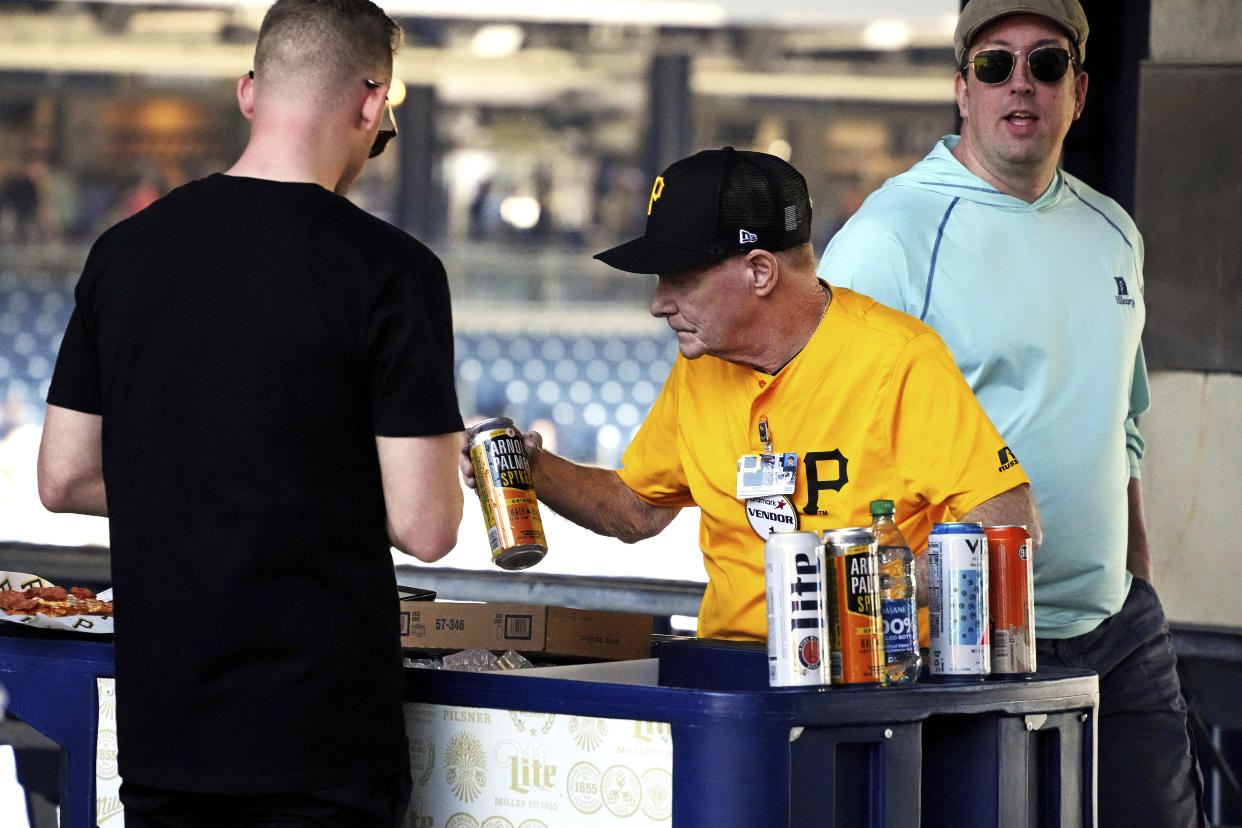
point(1123, 293)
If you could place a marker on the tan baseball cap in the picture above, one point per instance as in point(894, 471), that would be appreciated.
point(978, 13)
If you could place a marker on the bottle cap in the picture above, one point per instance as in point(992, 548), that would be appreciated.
point(881, 507)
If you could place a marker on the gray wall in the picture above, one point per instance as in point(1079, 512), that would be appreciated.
point(1188, 200)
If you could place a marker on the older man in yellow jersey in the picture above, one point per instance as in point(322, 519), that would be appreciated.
point(792, 405)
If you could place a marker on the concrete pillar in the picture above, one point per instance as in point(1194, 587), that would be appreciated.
point(670, 132)
point(420, 204)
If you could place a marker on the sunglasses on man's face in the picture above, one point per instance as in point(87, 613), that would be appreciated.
point(1047, 64)
point(387, 131)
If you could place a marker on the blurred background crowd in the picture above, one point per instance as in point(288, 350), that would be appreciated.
point(528, 142)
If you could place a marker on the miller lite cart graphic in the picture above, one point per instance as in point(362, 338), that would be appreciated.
point(486, 768)
point(108, 810)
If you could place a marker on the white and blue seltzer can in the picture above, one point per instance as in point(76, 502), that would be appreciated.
point(957, 558)
point(793, 566)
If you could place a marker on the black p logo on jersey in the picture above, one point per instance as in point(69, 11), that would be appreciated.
point(814, 485)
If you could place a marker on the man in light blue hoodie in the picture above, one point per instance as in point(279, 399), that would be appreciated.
point(1035, 282)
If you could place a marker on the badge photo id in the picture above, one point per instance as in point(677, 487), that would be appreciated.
point(763, 475)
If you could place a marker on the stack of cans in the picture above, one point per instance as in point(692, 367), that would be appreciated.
point(981, 600)
point(825, 624)
point(824, 621)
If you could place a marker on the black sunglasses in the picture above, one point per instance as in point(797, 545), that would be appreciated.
point(386, 131)
point(1047, 64)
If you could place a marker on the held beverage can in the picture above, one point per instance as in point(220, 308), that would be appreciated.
point(506, 494)
point(853, 576)
point(793, 567)
point(957, 557)
point(1011, 599)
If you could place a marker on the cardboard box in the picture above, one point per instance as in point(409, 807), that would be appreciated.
point(527, 628)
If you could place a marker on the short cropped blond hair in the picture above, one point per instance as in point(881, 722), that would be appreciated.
point(324, 43)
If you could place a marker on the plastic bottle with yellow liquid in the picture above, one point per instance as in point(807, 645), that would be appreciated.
point(903, 618)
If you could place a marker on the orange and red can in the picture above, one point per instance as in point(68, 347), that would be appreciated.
point(1011, 599)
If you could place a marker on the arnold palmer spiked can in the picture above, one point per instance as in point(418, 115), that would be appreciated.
point(852, 573)
point(793, 567)
point(506, 494)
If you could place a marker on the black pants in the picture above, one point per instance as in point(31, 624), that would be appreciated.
point(375, 803)
point(1148, 772)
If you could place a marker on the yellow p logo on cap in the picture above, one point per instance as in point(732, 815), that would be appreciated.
point(656, 189)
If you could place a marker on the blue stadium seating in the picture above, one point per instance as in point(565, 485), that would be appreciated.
point(33, 315)
point(595, 390)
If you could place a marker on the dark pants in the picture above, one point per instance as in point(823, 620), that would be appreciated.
point(1148, 772)
point(375, 803)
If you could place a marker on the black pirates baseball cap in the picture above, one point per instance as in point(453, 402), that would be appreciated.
point(715, 204)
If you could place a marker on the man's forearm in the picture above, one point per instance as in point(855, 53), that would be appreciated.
point(1138, 553)
point(595, 498)
point(1015, 507)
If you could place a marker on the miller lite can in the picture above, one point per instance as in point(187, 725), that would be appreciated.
point(793, 568)
point(506, 494)
point(957, 557)
point(1011, 599)
point(854, 608)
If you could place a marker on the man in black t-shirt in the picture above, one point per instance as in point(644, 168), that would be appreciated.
point(256, 387)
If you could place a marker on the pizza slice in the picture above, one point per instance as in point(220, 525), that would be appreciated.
point(53, 602)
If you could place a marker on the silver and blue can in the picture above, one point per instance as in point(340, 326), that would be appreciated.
point(793, 566)
point(957, 557)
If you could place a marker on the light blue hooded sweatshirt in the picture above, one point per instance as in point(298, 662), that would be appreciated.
point(1042, 306)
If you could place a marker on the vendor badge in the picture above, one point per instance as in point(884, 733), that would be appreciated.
point(767, 515)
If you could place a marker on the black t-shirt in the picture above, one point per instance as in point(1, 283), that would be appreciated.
point(245, 341)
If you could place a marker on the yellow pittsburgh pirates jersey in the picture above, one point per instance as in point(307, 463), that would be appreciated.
point(874, 408)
